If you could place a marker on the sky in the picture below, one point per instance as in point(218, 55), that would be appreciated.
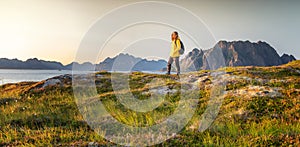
point(54, 29)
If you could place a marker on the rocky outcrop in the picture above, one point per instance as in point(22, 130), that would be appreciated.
point(52, 82)
point(236, 53)
point(285, 58)
point(193, 61)
point(239, 53)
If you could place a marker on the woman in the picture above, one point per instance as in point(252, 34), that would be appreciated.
point(174, 55)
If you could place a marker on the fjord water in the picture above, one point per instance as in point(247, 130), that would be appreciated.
point(16, 75)
point(21, 75)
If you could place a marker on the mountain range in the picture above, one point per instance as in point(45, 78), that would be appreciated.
point(236, 53)
point(122, 62)
point(126, 62)
point(29, 64)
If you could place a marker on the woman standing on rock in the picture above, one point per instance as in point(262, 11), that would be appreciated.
point(176, 46)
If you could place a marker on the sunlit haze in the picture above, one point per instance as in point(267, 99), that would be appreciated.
point(53, 29)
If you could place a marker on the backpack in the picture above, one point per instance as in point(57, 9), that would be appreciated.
point(181, 51)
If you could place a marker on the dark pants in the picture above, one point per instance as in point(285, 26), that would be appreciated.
point(171, 60)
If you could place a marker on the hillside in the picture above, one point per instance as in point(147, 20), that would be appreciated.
point(261, 107)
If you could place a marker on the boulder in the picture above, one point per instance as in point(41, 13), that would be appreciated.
point(52, 82)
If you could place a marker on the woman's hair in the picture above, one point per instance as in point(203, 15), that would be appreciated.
point(176, 32)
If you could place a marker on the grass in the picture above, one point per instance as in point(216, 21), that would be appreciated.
point(41, 117)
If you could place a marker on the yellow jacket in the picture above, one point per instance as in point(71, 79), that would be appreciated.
point(175, 48)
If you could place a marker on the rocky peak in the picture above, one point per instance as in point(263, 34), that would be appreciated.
point(285, 58)
point(235, 53)
point(193, 60)
point(245, 53)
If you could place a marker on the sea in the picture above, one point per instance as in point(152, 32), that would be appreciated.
point(21, 75)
